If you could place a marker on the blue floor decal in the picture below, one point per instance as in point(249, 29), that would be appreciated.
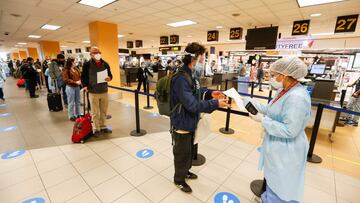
point(11, 128)
point(13, 154)
point(225, 197)
point(35, 200)
point(2, 105)
point(5, 115)
point(153, 115)
point(145, 153)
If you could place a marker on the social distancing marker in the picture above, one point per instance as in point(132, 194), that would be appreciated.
point(5, 115)
point(13, 154)
point(35, 200)
point(345, 160)
point(7, 129)
point(225, 197)
point(2, 105)
point(145, 153)
point(153, 115)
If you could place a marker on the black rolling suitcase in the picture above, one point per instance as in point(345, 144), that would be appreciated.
point(54, 100)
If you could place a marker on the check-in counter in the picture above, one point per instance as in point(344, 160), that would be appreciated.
point(232, 77)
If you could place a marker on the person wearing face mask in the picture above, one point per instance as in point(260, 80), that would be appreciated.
point(199, 68)
point(187, 102)
point(45, 66)
point(142, 75)
point(55, 72)
point(71, 76)
point(285, 146)
point(98, 92)
point(30, 74)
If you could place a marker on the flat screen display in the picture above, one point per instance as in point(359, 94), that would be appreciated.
point(261, 38)
point(318, 69)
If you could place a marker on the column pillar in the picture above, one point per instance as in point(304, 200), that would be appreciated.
point(15, 56)
point(50, 48)
point(104, 36)
point(23, 54)
point(33, 53)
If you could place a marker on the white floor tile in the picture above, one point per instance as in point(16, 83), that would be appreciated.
point(169, 173)
point(42, 195)
point(249, 170)
point(228, 161)
point(320, 182)
point(17, 176)
point(9, 165)
point(314, 195)
point(88, 163)
point(71, 147)
point(244, 146)
point(219, 144)
point(67, 190)
point(99, 175)
point(133, 196)
point(348, 191)
point(76, 155)
point(215, 172)
point(112, 189)
point(240, 184)
point(59, 175)
point(112, 154)
point(161, 145)
point(45, 153)
point(99, 146)
point(209, 152)
point(203, 188)
point(138, 174)
point(225, 189)
point(22, 190)
point(253, 157)
point(318, 170)
point(121, 140)
point(180, 197)
point(157, 188)
point(85, 197)
point(159, 162)
point(124, 163)
point(238, 152)
point(52, 164)
point(132, 147)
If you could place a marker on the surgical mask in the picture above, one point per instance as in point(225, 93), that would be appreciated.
point(97, 57)
point(199, 67)
point(275, 84)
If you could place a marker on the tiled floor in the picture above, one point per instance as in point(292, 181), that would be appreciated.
point(108, 170)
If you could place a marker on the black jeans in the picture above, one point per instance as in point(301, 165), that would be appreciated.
point(142, 82)
point(1, 93)
point(32, 85)
point(183, 154)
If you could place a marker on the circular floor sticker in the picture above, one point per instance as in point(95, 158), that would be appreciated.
point(225, 197)
point(2, 105)
point(153, 115)
point(145, 153)
point(11, 128)
point(13, 154)
point(35, 200)
point(5, 115)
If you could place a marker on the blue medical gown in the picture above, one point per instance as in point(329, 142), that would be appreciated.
point(285, 146)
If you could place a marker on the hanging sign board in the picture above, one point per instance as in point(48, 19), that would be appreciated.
point(129, 44)
point(301, 27)
point(164, 40)
point(235, 33)
point(346, 23)
point(212, 36)
point(138, 43)
point(174, 39)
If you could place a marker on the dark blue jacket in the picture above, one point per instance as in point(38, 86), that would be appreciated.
point(181, 92)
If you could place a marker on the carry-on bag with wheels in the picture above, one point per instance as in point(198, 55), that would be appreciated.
point(20, 83)
point(54, 100)
point(82, 128)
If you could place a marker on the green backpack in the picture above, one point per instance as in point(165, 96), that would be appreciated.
point(163, 90)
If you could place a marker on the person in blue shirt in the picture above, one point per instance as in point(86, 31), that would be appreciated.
point(285, 146)
point(354, 104)
point(187, 102)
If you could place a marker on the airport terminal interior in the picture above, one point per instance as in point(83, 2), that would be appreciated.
point(87, 87)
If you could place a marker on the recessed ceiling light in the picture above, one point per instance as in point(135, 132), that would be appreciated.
point(315, 14)
point(50, 27)
point(322, 33)
point(189, 36)
point(304, 3)
point(120, 36)
point(181, 23)
point(22, 43)
point(34, 36)
point(63, 46)
point(86, 41)
point(219, 27)
point(96, 3)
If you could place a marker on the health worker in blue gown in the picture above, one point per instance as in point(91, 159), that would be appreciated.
point(285, 146)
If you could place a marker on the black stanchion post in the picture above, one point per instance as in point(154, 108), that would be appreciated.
point(227, 129)
point(148, 96)
point(311, 157)
point(138, 132)
point(226, 84)
point(252, 89)
point(258, 187)
point(342, 98)
point(270, 95)
point(198, 159)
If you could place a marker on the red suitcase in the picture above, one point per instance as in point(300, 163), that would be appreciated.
point(21, 83)
point(82, 128)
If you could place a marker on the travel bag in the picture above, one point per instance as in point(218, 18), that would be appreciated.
point(82, 128)
point(21, 83)
point(54, 100)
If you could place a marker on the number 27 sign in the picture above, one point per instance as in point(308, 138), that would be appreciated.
point(346, 23)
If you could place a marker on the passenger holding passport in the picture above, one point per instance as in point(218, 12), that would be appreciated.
point(187, 101)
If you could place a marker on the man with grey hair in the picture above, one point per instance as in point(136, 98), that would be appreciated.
point(98, 90)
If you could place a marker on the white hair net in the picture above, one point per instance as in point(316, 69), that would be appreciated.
point(290, 66)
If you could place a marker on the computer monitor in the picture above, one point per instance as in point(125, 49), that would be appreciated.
point(318, 69)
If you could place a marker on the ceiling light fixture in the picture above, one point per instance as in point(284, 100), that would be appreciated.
point(181, 23)
point(34, 36)
point(86, 41)
point(22, 43)
point(189, 36)
point(120, 36)
point(63, 46)
point(96, 3)
point(219, 27)
point(50, 27)
point(315, 15)
point(322, 34)
point(305, 3)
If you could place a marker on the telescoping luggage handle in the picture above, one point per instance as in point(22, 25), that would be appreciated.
point(86, 100)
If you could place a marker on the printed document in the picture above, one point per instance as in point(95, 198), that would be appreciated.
point(232, 93)
point(101, 76)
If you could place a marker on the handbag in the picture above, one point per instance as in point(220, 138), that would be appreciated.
point(203, 128)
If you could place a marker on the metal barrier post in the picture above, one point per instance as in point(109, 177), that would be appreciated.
point(252, 89)
point(270, 95)
point(227, 129)
point(147, 96)
point(138, 132)
point(198, 159)
point(311, 157)
point(258, 187)
point(226, 84)
point(342, 98)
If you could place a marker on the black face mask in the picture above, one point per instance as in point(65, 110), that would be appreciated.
point(61, 62)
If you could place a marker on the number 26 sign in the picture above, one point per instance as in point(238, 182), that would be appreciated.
point(301, 27)
point(346, 23)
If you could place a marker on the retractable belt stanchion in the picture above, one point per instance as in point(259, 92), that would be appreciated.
point(148, 96)
point(311, 157)
point(227, 129)
point(270, 95)
point(198, 159)
point(252, 89)
point(138, 132)
point(258, 187)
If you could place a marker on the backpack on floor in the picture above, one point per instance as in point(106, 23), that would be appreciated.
point(83, 128)
point(163, 89)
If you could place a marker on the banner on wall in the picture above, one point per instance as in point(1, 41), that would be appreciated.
point(294, 43)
